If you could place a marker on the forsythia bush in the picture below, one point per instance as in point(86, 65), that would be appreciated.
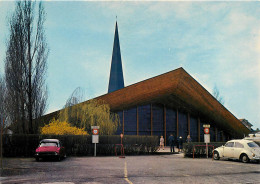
point(62, 128)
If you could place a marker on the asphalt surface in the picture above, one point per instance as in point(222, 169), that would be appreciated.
point(132, 169)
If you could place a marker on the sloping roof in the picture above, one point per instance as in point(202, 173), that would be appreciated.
point(178, 90)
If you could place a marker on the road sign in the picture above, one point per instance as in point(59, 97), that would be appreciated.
point(206, 130)
point(95, 131)
point(207, 138)
point(95, 138)
point(206, 126)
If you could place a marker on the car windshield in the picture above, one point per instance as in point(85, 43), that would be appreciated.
point(43, 144)
point(252, 145)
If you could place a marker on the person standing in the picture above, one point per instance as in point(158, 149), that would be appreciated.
point(188, 140)
point(171, 143)
point(180, 141)
point(162, 142)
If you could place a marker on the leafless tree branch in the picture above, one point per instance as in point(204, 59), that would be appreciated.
point(25, 66)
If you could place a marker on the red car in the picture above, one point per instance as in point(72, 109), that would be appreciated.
point(50, 148)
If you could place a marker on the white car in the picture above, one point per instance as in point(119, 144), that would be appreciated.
point(244, 150)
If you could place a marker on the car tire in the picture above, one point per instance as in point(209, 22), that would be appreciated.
point(244, 158)
point(216, 155)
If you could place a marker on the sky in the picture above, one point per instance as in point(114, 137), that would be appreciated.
point(217, 43)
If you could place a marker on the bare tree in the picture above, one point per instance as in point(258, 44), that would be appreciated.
point(76, 97)
point(216, 94)
point(2, 99)
point(26, 65)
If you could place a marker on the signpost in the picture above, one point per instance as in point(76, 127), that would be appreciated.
point(206, 138)
point(95, 138)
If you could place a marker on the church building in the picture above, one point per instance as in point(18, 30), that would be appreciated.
point(173, 102)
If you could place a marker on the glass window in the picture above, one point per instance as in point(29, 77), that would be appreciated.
point(158, 119)
point(171, 120)
point(144, 117)
point(170, 123)
point(229, 144)
point(130, 123)
point(120, 127)
point(238, 145)
point(252, 145)
point(193, 129)
point(201, 132)
point(43, 144)
point(219, 137)
point(183, 125)
point(212, 133)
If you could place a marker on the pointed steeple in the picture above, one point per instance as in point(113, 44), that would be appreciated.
point(116, 79)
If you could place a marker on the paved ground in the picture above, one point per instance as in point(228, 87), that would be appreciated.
point(132, 169)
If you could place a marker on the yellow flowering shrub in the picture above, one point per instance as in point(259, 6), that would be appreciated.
point(61, 128)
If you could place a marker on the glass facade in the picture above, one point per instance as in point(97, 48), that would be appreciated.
point(130, 123)
point(144, 119)
point(120, 128)
point(170, 123)
point(183, 125)
point(155, 125)
point(194, 129)
point(201, 132)
point(158, 122)
point(219, 137)
point(212, 133)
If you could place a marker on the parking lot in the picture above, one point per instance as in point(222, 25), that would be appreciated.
point(132, 169)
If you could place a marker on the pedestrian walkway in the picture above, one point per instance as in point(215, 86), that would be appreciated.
point(167, 150)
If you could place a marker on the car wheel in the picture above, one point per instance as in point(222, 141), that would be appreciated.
point(216, 155)
point(244, 158)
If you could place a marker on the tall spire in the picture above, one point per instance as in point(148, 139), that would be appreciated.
point(116, 79)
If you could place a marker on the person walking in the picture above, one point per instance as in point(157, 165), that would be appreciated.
point(162, 142)
point(171, 143)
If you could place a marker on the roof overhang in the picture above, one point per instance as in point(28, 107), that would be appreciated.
point(179, 90)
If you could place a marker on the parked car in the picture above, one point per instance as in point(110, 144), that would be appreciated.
point(50, 148)
point(244, 150)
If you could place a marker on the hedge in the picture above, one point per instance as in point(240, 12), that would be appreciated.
point(77, 145)
point(200, 151)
